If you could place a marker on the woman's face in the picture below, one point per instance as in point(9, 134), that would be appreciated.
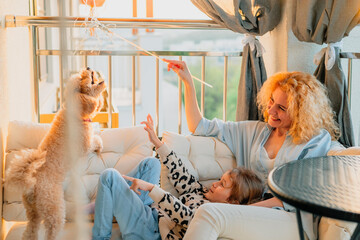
point(277, 109)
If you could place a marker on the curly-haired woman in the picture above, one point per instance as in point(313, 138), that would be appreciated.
point(299, 123)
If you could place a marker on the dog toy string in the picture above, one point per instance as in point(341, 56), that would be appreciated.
point(92, 5)
point(94, 22)
point(104, 28)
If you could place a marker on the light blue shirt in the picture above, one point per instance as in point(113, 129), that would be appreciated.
point(246, 140)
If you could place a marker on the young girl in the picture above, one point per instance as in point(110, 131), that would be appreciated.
point(237, 186)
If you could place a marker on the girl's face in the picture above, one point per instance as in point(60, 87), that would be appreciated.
point(220, 191)
point(277, 109)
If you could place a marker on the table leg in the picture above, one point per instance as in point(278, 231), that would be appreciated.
point(356, 233)
point(300, 227)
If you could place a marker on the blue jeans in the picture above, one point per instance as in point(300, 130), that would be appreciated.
point(136, 219)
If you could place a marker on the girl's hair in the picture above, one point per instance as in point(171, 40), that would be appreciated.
point(308, 104)
point(247, 187)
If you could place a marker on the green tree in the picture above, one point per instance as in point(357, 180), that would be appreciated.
point(214, 75)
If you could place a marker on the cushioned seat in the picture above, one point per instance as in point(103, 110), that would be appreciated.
point(123, 149)
point(207, 158)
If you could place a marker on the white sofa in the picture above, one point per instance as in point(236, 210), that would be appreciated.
point(207, 158)
point(123, 149)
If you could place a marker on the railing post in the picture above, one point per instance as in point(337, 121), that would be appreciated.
point(225, 86)
point(203, 85)
point(135, 31)
point(61, 81)
point(180, 102)
point(85, 61)
point(33, 35)
point(33, 8)
point(349, 82)
point(133, 88)
point(110, 120)
point(157, 98)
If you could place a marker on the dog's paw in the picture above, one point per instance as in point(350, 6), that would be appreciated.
point(98, 150)
point(97, 144)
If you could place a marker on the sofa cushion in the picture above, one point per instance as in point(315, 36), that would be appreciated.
point(25, 135)
point(345, 151)
point(205, 157)
point(123, 149)
point(70, 231)
point(334, 229)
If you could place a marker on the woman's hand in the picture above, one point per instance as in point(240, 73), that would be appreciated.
point(138, 184)
point(270, 203)
point(180, 68)
point(149, 127)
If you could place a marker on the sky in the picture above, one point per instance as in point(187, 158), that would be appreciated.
point(166, 9)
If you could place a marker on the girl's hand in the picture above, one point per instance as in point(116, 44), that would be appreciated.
point(149, 127)
point(138, 184)
point(180, 68)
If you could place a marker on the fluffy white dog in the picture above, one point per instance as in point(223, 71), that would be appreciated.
point(41, 172)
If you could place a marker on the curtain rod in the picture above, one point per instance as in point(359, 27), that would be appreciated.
point(23, 21)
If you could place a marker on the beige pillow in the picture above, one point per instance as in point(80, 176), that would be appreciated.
point(345, 151)
point(334, 229)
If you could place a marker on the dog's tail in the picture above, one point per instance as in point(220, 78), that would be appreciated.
point(21, 175)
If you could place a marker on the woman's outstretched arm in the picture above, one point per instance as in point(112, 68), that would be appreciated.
point(192, 111)
point(269, 203)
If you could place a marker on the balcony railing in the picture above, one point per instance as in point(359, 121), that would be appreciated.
point(34, 22)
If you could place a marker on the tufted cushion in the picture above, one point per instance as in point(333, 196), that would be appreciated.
point(206, 158)
point(345, 151)
point(334, 229)
point(123, 149)
point(71, 230)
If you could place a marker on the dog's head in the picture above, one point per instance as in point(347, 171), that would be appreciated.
point(83, 91)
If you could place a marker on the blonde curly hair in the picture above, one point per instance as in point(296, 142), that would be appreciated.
point(308, 104)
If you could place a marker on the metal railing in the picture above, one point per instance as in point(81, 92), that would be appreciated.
point(133, 54)
point(350, 56)
point(34, 22)
point(37, 21)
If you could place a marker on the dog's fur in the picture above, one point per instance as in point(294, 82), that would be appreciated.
point(40, 173)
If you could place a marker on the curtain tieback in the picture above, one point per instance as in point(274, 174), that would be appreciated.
point(254, 43)
point(329, 52)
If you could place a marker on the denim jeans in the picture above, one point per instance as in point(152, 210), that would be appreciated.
point(136, 219)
